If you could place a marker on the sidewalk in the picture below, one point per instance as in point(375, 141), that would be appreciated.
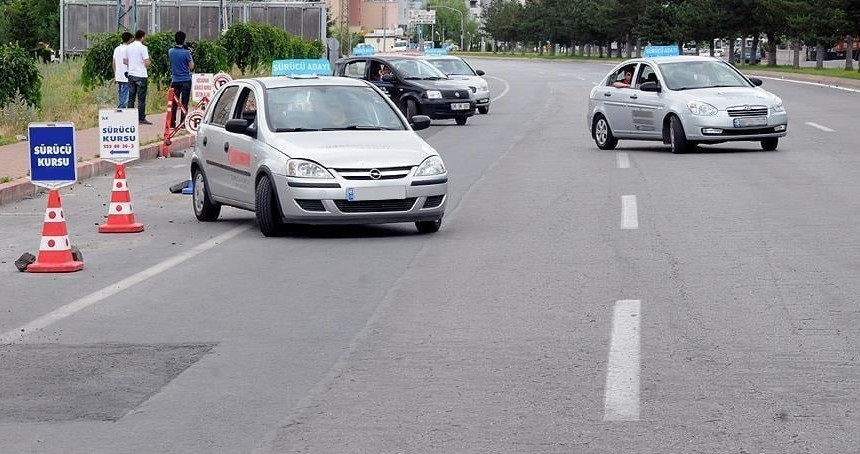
point(14, 158)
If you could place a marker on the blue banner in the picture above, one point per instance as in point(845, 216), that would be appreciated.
point(436, 51)
point(363, 51)
point(661, 51)
point(319, 67)
point(52, 154)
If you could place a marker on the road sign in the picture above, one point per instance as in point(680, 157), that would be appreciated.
point(420, 16)
point(202, 86)
point(220, 80)
point(319, 67)
point(119, 137)
point(52, 154)
point(193, 119)
point(661, 51)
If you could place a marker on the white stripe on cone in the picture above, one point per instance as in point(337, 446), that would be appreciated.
point(58, 215)
point(55, 243)
point(120, 186)
point(120, 208)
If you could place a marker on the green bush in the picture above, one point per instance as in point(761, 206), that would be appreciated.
point(209, 57)
point(159, 69)
point(239, 45)
point(253, 46)
point(20, 76)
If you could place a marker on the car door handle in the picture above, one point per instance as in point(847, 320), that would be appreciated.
point(226, 146)
point(606, 93)
point(205, 139)
point(634, 97)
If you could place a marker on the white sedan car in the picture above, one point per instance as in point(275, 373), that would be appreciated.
point(458, 69)
point(683, 101)
point(315, 150)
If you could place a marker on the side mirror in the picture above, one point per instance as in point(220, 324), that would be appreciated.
point(755, 81)
point(240, 126)
point(651, 86)
point(390, 78)
point(420, 122)
point(479, 72)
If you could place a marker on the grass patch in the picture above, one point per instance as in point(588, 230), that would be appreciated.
point(5, 179)
point(531, 55)
point(827, 72)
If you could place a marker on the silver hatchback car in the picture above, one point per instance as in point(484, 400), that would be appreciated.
point(315, 150)
point(458, 69)
point(683, 101)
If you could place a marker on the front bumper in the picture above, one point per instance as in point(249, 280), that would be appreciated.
point(425, 200)
point(721, 128)
point(482, 97)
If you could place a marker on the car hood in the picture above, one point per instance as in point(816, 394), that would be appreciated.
point(725, 97)
point(438, 84)
point(356, 149)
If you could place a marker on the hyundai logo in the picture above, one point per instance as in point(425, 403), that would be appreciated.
point(375, 174)
point(746, 107)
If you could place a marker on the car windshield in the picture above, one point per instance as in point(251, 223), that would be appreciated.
point(452, 66)
point(329, 108)
point(417, 69)
point(689, 75)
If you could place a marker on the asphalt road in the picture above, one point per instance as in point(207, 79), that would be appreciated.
point(574, 301)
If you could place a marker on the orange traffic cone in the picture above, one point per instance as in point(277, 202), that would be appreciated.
point(55, 252)
point(120, 215)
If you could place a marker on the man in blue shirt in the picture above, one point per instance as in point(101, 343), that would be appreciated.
point(181, 65)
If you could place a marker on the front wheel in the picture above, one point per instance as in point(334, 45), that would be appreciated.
point(603, 134)
point(770, 143)
point(461, 120)
point(204, 208)
point(428, 226)
point(267, 209)
point(677, 137)
point(484, 109)
point(411, 109)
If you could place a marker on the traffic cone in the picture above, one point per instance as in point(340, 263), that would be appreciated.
point(55, 251)
point(120, 215)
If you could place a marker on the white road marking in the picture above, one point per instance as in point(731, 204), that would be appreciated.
point(18, 334)
point(629, 215)
point(816, 125)
point(581, 78)
point(504, 92)
point(179, 166)
point(853, 90)
point(623, 160)
point(621, 398)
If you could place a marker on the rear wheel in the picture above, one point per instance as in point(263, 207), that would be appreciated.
point(204, 208)
point(461, 120)
point(428, 226)
point(268, 211)
point(603, 134)
point(677, 138)
point(484, 109)
point(411, 109)
point(770, 143)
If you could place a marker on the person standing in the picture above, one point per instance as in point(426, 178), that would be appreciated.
point(138, 81)
point(181, 65)
point(120, 69)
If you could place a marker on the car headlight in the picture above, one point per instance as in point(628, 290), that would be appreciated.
point(701, 108)
point(483, 86)
point(306, 169)
point(431, 166)
point(434, 94)
point(777, 106)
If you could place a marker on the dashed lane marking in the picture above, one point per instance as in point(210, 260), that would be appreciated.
point(621, 398)
point(818, 126)
point(629, 215)
point(623, 160)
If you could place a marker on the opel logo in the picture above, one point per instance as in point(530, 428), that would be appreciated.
point(375, 174)
point(457, 94)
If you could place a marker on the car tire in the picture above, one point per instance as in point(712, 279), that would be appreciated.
point(603, 134)
point(204, 208)
point(484, 110)
point(411, 109)
point(428, 226)
point(267, 209)
point(461, 120)
point(770, 143)
point(677, 137)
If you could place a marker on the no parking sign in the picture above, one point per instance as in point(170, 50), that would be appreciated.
point(52, 154)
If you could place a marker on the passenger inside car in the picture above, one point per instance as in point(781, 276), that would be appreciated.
point(624, 77)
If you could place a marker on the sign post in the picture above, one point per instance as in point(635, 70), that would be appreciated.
point(119, 143)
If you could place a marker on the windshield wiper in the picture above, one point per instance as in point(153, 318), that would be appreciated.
point(412, 78)
point(434, 78)
point(359, 128)
point(296, 129)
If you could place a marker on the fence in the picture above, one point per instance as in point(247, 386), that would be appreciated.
point(199, 19)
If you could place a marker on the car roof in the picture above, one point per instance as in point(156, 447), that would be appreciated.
point(442, 57)
point(304, 81)
point(388, 57)
point(673, 59)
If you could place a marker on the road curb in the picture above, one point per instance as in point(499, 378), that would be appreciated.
point(21, 188)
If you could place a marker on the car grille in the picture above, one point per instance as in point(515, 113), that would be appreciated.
point(310, 205)
point(455, 94)
point(375, 206)
point(385, 173)
point(753, 111)
point(433, 201)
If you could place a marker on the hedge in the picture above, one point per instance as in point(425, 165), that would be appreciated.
point(20, 76)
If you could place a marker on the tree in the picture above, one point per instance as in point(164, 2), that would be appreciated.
point(30, 22)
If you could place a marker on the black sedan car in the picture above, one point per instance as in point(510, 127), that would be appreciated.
point(416, 86)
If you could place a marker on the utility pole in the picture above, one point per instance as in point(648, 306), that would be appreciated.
point(462, 21)
point(126, 11)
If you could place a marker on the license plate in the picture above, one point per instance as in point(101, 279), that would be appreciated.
point(460, 106)
point(751, 121)
point(375, 193)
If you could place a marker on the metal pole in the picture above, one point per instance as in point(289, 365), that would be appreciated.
point(384, 24)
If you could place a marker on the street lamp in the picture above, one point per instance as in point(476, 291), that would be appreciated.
point(462, 21)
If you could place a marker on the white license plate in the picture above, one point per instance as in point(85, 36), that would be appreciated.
point(375, 193)
point(751, 121)
point(460, 106)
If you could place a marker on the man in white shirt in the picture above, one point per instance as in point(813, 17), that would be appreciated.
point(120, 69)
point(138, 61)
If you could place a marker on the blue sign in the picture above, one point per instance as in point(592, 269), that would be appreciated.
point(661, 51)
point(52, 154)
point(363, 51)
point(435, 51)
point(301, 67)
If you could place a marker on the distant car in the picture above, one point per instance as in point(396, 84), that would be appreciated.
point(458, 69)
point(684, 101)
point(707, 53)
point(315, 150)
point(400, 45)
point(415, 86)
point(747, 55)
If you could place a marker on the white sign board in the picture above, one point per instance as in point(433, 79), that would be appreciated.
point(202, 85)
point(420, 16)
point(119, 136)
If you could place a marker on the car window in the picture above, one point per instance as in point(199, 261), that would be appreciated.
point(318, 108)
point(452, 66)
point(619, 74)
point(646, 74)
point(221, 111)
point(355, 69)
point(247, 106)
point(701, 74)
point(417, 69)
